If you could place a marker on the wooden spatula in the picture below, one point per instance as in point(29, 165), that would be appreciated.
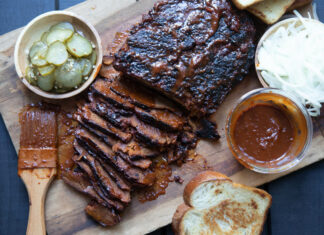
point(37, 161)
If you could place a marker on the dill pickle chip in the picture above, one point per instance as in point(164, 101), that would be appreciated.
point(30, 75)
point(37, 53)
point(93, 57)
point(44, 37)
point(57, 53)
point(79, 46)
point(61, 90)
point(86, 66)
point(46, 70)
point(69, 75)
point(46, 83)
point(63, 25)
point(58, 35)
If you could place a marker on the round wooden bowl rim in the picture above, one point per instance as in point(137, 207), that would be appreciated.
point(265, 36)
point(84, 85)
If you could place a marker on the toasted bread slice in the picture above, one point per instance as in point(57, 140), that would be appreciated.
point(216, 205)
point(242, 4)
point(270, 11)
point(299, 3)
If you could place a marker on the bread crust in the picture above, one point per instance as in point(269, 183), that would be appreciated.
point(177, 217)
point(196, 181)
point(261, 10)
point(241, 6)
point(298, 4)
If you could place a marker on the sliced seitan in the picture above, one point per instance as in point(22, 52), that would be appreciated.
point(135, 175)
point(103, 215)
point(107, 182)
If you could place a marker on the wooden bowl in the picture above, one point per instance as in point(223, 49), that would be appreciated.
point(268, 33)
point(33, 31)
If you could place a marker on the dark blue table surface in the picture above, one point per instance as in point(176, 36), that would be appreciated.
point(298, 199)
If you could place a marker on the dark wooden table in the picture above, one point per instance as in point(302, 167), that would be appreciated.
point(298, 199)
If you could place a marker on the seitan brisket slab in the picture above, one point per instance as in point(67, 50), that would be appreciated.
point(191, 51)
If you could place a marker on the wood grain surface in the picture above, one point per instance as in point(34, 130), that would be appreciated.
point(64, 206)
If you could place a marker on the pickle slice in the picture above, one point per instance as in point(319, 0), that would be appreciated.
point(46, 70)
point(69, 75)
point(63, 25)
point(61, 90)
point(93, 57)
point(46, 83)
point(31, 76)
point(86, 66)
point(37, 53)
point(58, 35)
point(79, 46)
point(57, 53)
point(44, 37)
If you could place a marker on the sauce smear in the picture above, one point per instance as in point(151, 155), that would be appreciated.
point(162, 173)
point(264, 133)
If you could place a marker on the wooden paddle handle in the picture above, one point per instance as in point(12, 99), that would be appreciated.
point(37, 182)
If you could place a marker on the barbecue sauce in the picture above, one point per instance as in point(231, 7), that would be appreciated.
point(263, 133)
point(38, 137)
point(162, 172)
point(65, 132)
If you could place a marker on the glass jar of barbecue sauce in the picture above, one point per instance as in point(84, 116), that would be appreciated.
point(269, 130)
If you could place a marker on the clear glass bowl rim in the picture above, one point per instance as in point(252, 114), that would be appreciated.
point(298, 104)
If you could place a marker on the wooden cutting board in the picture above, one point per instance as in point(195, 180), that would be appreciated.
point(64, 206)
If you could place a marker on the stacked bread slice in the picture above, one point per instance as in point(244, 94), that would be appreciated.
point(270, 11)
point(213, 204)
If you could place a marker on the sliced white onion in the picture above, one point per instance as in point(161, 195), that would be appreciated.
point(292, 59)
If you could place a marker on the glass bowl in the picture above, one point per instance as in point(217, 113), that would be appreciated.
point(295, 112)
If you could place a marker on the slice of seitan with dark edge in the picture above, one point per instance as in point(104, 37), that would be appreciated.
point(150, 135)
point(103, 215)
point(120, 180)
point(133, 149)
point(109, 202)
point(80, 182)
point(135, 92)
point(144, 132)
point(110, 112)
point(140, 163)
point(135, 175)
point(109, 185)
point(161, 118)
point(186, 141)
point(102, 87)
point(157, 115)
point(95, 121)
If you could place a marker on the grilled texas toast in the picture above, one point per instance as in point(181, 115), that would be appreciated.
point(298, 4)
point(242, 4)
point(270, 11)
point(216, 205)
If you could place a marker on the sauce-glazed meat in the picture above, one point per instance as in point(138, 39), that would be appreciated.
point(121, 133)
point(192, 51)
point(128, 135)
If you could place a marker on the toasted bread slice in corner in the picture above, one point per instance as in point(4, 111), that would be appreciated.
point(242, 4)
point(216, 205)
point(270, 11)
point(298, 4)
